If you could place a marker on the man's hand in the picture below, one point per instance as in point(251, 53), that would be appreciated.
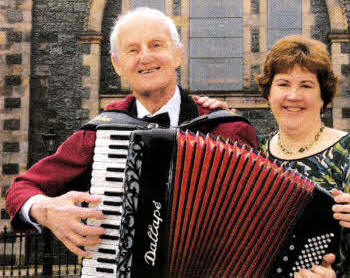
point(342, 209)
point(63, 217)
point(319, 271)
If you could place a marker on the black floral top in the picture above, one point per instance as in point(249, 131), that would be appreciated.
point(330, 169)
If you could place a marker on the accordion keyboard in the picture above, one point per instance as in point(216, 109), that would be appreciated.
point(110, 155)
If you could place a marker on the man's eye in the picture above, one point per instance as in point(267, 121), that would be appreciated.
point(282, 85)
point(131, 51)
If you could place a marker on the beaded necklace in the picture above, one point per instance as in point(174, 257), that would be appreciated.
point(302, 149)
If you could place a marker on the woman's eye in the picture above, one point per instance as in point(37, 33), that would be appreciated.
point(306, 86)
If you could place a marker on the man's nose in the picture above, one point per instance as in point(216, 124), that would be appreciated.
point(145, 55)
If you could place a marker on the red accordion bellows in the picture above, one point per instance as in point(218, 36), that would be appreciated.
point(232, 209)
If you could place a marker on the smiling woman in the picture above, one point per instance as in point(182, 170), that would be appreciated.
point(298, 82)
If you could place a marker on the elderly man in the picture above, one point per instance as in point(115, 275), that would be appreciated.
point(145, 51)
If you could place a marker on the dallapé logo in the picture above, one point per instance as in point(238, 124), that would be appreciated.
point(150, 255)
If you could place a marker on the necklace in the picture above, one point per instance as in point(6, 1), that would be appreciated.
point(302, 149)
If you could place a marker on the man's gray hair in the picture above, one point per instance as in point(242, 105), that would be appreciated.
point(142, 12)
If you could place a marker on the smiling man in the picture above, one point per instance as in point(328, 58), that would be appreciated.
point(145, 51)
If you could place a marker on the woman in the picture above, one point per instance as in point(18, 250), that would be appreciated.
point(298, 82)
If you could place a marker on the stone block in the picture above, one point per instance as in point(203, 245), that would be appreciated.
point(10, 147)
point(345, 47)
point(255, 42)
point(345, 112)
point(12, 124)
point(216, 74)
point(345, 70)
point(216, 8)
point(3, 38)
point(47, 37)
point(4, 190)
point(15, 59)
point(176, 7)
point(155, 4)
point(13, 80)
point(14, 16)
point(10, 169)
point(254, 6)
point(216, 27)
point(12, 103)
point(215, 47)
point(4, 214)
point(14, 36)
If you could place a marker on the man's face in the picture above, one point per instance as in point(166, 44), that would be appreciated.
point(147, 57)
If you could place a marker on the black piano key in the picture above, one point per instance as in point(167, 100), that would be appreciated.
point(115, 169)
point(106, 251)
point(112, 203)
point(107, 261)
point(118, 147)
point(103, 269)
point(109, 212)
point(110, 226)
point(114, 179)
point(113, 194)
point(119, 137)
point(109, 237)
point(113, 155)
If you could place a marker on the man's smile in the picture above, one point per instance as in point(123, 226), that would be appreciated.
point(146, 71)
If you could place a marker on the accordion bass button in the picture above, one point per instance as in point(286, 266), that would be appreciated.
point(279, 270)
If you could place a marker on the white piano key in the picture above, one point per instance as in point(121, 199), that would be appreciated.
point(103, 189)
point(109, 184)
point(104, 150)
point(107, 133)
point(97, 255)
point(97, 165)
point(96, 263)
point(88, 270)
point(104, 158)
point(106, 143)
point(107, 174)
point(98, 222)
point(108, 248)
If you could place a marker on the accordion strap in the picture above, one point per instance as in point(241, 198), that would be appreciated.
point(112, 117)
point(214, 118)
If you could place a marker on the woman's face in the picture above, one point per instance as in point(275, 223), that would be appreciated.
point(295, 99)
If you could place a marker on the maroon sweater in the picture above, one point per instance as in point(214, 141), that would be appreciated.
point(70, 167)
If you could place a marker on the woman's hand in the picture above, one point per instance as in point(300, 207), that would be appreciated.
point(342, 208)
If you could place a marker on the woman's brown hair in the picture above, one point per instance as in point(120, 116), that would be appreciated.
point(305, 52)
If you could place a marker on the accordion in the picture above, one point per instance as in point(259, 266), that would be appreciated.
point(181, 204)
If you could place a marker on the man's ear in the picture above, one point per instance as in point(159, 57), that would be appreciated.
point(179, 53)
point(115, 62)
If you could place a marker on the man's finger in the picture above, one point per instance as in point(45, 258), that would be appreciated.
point(76, 250)
point(80, 197)
point(86, 230)
point(82, 213)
